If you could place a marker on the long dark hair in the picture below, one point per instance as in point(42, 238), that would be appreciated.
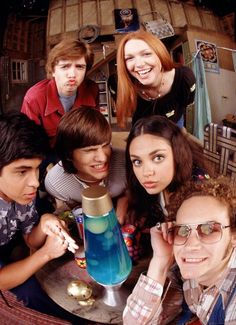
point(187, 154)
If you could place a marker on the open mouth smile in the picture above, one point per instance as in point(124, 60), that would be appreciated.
point(100, 167)
point(194, 260)
point(144, 72)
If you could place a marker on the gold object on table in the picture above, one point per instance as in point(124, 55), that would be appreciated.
point(88, 302)
point(81, 291)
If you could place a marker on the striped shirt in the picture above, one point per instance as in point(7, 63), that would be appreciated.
point(67, 187)
point(144, 306)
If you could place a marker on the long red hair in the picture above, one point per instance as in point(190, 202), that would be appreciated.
point(126, 91)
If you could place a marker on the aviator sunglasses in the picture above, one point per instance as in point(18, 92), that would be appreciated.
point(209, 232)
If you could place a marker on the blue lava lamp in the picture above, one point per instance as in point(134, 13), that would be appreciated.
point(107, 258)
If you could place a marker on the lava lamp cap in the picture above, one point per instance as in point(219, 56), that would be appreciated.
point(96, 201)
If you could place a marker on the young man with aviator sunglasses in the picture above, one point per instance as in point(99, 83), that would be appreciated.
point(200, 286)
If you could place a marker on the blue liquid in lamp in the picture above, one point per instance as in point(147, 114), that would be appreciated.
point(107, 257)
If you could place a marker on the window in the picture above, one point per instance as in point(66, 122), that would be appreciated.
point(19, 71)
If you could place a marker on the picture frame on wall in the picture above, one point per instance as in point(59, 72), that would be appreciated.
point(126, 20)
point(209, 55)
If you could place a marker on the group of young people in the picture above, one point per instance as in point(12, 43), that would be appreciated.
point(160, 183)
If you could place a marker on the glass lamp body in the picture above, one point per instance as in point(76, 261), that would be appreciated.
point(107, 257)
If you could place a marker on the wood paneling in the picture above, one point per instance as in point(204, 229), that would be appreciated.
point(55, 21)
point(72, 18)
point(66, 16)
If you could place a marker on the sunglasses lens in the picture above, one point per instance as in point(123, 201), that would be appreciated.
point(180, 234)
point(209, 232)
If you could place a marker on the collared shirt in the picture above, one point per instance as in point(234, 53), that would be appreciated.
point(14, 217)
point(145, 307)
point(42, 104)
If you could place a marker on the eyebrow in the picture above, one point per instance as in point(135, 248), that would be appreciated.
point(70, 63)
point(22, 167)
point(151, 153)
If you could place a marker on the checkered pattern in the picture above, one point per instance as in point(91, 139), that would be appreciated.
point(160, 28)
point(220, 148)
point(145, 307)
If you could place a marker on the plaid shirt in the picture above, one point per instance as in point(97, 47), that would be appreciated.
point(144, 306)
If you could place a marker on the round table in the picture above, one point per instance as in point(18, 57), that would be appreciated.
point(57, 274)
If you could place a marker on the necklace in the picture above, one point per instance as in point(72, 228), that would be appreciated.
point(145, 94)
point(86, 181)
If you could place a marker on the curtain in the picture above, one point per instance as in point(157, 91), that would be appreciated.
point(202, 113)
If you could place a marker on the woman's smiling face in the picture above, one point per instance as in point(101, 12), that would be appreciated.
point(153, 162)
point(142, 62)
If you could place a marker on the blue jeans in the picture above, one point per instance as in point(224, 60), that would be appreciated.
point(31, 293)
point(180, 122)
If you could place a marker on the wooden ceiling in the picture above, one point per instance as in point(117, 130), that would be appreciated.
point(40, 7)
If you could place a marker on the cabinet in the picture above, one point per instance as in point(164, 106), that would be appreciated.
point(104, 99)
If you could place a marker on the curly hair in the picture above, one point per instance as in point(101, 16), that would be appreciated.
point(221, 188)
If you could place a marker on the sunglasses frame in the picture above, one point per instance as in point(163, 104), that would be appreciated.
point(194, 226)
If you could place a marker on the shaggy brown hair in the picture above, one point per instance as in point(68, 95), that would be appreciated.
point(69, 49)
point(80, 128)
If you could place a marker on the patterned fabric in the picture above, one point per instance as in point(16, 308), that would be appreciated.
point(220, 148)
point(202, 302)
point(144, 306)
point(66, 187)
point(14, 217)
point(14, 312)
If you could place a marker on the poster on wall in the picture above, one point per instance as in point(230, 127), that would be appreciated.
point(126, 20)
point(209, 55)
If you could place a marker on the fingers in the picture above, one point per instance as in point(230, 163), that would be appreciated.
point(65, 237)
point(71, 246)
point(158, 226)
point(163, 228)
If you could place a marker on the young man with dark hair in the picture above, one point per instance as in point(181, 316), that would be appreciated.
point(23, 144)
point(83, 145)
